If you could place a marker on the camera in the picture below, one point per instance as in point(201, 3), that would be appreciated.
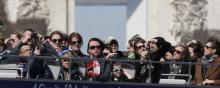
point(34, 35)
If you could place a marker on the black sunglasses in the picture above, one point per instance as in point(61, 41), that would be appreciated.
point(117, 70)
point(178, 52)
point(93, 47)
point(74, 42)
point(57, 40)
point(207, 47)
point(12, 40)
point(139, 47)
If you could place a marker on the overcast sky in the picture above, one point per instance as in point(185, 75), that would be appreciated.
point(101, 22)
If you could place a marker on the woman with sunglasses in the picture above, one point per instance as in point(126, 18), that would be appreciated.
point(75, 41)
point(53, 45)
point(181, 54)
point(209, 74)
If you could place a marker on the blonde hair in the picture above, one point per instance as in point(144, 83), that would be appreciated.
point(66, 55)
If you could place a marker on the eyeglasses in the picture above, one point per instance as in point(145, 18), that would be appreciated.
point(57, 40)
point(93, 47)
point(178, 52)
point(207, 47)
point(142, 46)
point(74, 42)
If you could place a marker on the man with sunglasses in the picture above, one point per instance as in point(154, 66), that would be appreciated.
point(141, 68)
point(96, 69)
point(209, 74)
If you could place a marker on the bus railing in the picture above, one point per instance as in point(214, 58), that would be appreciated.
point(149, 62)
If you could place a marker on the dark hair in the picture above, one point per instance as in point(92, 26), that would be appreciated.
point(77, 35)
point(56, 32)
point(17, 35)
point(160, 41)
point(132, 40)
point(2, 43)
point(98, 40)
point(24, 44)
point(215, 44)
point(138, 40)
point(29, 29)
point(197, 48)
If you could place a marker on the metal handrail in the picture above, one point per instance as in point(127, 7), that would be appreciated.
point(113, 59)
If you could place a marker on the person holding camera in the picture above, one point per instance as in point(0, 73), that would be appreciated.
point(26, 38)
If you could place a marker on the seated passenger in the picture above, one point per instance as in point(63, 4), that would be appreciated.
point(69, 70)
point(118, 74)
point(37, 66)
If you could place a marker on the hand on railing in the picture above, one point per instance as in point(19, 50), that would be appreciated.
point(208, 82)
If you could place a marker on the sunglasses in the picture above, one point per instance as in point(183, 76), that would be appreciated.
point(139, 47)
point(207, 47)
point(178, 52)
point(93, 47)
point(57, 40)
point(74, 42)
point(12, 40)
point(117, 70)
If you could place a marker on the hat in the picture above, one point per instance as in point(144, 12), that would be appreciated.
point(110, 40)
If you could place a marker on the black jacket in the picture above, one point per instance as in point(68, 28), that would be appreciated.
point(39, 69)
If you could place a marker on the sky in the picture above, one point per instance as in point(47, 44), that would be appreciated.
point(101, 22)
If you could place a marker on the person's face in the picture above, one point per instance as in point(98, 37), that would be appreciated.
point(192, 54)
point(56, 41)
point(114, 47)
point(209, 49)
point(140, 47)
point(25, 50)
point(65, 63)
point(94, 49)
point(117, 72)
point(178, 54)
point(168, 56)
point(152, 45)
point(106, 51)
point(27, 34)
point(75, 44)
point(14, 40)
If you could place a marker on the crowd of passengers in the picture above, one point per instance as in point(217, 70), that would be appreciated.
point(67, 48)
